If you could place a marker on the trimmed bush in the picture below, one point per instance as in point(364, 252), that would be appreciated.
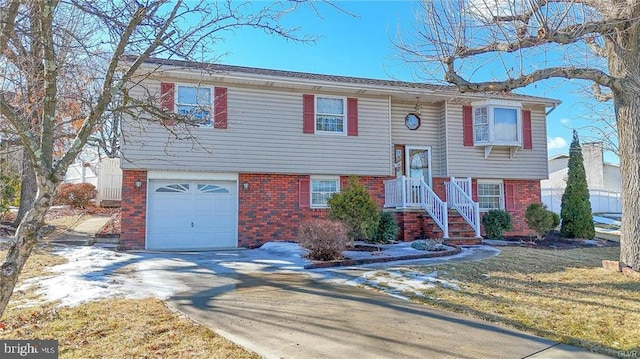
point(355, 208)
point(324, 239)
point(540, 219)
point(575, 210)
point(556, 220)
point(387, 229)
point(495, 223)
point(76, 195)
point(9, 191)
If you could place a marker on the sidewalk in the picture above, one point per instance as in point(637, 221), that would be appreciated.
point(84, 233)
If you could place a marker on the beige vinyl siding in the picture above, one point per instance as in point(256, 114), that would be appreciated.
point(427, 135)
point(443, 140)
point(264, 134)
point(465, 161)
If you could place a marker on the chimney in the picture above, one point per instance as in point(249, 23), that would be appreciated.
point(593, 155)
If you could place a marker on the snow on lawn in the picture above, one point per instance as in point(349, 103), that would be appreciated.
point(94, 273)
point(403, 283)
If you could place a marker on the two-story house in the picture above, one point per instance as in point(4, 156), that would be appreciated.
point(271, 146)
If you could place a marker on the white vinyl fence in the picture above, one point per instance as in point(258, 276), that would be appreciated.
point(81, 173)
point(109, 180)
point(601, 200)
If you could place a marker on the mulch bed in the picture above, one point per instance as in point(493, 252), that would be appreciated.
point(112, 228)
point(365, 248)
point(555, 241)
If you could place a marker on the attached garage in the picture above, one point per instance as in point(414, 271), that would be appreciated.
point(192, 214)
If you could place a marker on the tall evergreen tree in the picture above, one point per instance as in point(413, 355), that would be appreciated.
point(575, 211)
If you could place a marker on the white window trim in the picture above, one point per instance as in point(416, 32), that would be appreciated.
point(321, 178)
point(491, 105)
point(344, 119)
point(176, 104)
point(491, 181)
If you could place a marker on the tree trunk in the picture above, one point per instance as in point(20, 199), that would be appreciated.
point(625, 67)
point(27, 236)
point(28, 189)
point(627, 108)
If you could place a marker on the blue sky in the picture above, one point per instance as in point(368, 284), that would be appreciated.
point(362, 46)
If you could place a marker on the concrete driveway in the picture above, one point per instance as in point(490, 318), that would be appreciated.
point(293, 315)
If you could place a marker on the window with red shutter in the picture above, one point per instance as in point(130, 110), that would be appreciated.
point(167, 99)
point(352, 116)
point(527, 136)
point(308, 114)
point(220, 108)
point(467, 125)
point(509, 197)
point(304, 194)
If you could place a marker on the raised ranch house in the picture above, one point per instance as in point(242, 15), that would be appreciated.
point(272, 146)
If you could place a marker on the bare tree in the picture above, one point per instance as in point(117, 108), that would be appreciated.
point(528, 41)
point(63, 63)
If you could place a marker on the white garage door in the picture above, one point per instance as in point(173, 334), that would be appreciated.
point(192, 215)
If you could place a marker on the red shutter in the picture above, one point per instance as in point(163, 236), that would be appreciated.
point(220, 108)
point(304, 195)
point(352, 116)
point(344, 181)
point(467, 125)
point(167, 101)
point(509, 197)
point(526, 130)
point(308, 114)
point(474, 190)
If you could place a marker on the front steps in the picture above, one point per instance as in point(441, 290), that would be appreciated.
point(417, 224)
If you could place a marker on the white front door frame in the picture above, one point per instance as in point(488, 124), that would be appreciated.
point(407, 151)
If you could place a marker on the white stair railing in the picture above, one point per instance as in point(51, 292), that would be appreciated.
point(460, 200)
point(406, 192)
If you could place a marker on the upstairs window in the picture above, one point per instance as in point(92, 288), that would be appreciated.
point(194, 102)
point(497, 124)
point(330, 115)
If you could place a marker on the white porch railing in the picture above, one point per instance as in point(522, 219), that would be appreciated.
point(414, 192)
point(460, 200)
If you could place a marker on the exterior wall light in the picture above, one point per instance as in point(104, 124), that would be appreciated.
point(138, 184)
point(245, 186)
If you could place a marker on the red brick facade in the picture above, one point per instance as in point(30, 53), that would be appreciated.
point(416, 224)
point(527, 192)
point(269, 209)
point(133, 209)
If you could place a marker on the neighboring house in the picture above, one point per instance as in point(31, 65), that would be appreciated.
point(603, 180)
point(274, 145)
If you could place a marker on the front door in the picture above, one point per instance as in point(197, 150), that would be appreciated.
point(418, 162)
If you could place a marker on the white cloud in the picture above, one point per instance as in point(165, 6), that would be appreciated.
point(556, 143)
point(565, 121)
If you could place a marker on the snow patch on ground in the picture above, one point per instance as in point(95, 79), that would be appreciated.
point(402, 284)
point(94, 273)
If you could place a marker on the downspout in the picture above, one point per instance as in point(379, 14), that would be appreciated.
point(551, 110)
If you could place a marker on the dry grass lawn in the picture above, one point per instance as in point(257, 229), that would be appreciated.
point(563, 295)
point(115, 328)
